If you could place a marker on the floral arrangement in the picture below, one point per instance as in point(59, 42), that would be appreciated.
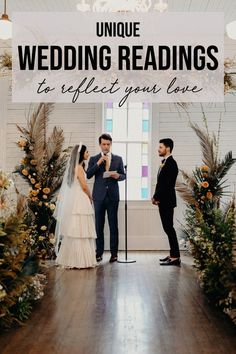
point(5, 64)
point(229, 75)
point(42, 167)
point(210, 228)
point(20, 283)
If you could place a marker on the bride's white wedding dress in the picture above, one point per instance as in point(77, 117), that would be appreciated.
point(77, 249)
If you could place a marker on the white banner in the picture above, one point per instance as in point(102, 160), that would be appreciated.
point(94, 57)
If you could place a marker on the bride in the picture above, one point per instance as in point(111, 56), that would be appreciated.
point(75, 229)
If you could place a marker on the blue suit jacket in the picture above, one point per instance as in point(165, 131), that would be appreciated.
point(102, 186)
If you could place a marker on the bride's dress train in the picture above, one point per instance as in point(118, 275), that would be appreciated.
point(77, 249)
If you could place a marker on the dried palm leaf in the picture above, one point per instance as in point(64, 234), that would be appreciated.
point(23, 130)
point(188, 179)
point(37, 128)
point(207, 146)
point(224, 165)
point(185, 193)
point(55, 143)
point(21, 204)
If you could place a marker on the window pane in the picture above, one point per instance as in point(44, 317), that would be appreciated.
point(144, 193)
point(145, 126)
point(134, 160)
point(119, 124)
point(130, 129)
point(135, 124)
point(134, 189)
point(109, 125)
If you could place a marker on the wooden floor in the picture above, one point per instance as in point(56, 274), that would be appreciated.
point(139, 308)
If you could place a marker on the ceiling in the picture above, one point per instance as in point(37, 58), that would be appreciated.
point(227, 6)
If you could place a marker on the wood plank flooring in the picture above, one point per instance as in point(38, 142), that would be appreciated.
point(139, 308)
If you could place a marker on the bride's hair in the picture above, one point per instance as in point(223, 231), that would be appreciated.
point(73, 160)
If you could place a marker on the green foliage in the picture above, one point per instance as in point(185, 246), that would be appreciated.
point(210, 229)
point(20, 285)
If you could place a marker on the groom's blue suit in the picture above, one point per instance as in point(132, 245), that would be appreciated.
point(106, 198)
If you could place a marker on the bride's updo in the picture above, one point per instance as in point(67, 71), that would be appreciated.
point(75, 158)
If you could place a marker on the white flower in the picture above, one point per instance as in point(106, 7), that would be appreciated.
point(43, 228)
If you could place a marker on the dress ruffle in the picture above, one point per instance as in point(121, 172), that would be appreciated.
point(77, 231)
point(77, 253)
point(79, 226)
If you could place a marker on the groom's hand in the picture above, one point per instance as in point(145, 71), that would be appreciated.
point(115, 175)
point(102, 159)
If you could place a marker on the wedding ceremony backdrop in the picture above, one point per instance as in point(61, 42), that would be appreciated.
point(34, 145)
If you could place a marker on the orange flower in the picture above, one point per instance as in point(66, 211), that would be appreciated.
point(24, 172)
point(205, 184)
point(32, 180)
point(37, 185)
point(209, 195)
point(33, 162)
point(22, 143)
point(35, 193)
point(46, 190)
point(23, 161)
point(205, 168)
point(34, 199)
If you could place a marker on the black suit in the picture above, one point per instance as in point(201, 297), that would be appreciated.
point(166, 196)
point(106, 198)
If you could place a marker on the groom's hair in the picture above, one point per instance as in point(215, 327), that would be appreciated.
point(104, 137)
point(168, 143)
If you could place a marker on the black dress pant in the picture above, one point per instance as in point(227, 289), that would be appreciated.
point(111, 207)
point(167, 216)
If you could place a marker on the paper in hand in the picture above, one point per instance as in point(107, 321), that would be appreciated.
point(107, 174)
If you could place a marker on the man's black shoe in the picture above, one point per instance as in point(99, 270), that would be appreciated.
point(113, 258)
point(164, 259)
point(171, 262)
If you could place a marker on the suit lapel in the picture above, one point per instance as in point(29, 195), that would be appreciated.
point(161, 168)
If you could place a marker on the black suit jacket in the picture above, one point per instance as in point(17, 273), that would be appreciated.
point(102, 186)
point(165, 187)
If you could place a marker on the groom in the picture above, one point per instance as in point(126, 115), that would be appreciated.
point(165, 198)
point(106, 194)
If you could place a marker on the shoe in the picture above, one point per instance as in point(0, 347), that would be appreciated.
point(169, 262)
point(113, 258)
point(99, 258)
point(164, 259)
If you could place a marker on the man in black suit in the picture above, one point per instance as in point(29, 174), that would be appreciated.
point(165, 198)
point(106, 194)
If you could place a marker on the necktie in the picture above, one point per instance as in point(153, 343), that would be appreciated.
point(108, 163)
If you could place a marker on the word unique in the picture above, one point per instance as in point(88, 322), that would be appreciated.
point(117, 29)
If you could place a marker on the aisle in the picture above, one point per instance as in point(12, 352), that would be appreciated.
point(138, 308)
